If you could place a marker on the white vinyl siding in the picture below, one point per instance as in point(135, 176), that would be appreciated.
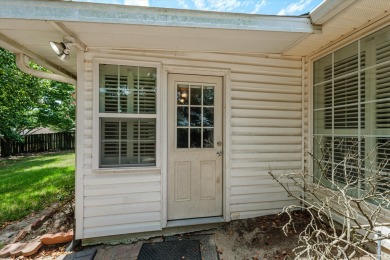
point(351, 110)
point(266, 135)
point(264, 131)
point(121, 203)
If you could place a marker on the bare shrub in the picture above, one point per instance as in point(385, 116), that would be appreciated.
point(347, 196)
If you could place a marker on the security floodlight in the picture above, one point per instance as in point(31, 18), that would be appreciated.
point(62, 49)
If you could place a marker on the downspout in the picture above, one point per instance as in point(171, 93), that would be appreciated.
point(22, 62)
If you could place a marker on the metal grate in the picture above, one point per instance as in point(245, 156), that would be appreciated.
point(174, 250)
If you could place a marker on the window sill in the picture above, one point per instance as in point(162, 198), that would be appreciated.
point(121, 170)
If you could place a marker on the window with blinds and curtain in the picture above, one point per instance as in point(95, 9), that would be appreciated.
point(127, 115)
point(351, 112)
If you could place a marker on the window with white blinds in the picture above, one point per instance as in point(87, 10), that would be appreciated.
point(383, 162)
point(383, 85)
point(351, 111)
point(343, 95)
point(127, 115)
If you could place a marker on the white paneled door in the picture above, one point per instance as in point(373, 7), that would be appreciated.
point(194, 146)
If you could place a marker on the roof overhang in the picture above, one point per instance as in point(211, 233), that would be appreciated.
point(28, 26)
point(66, 11)
point(329, 9)
point(340, 20)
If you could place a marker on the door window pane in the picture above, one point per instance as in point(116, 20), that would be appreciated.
point(208, 96)
point(208, 116)
point(182, 94)
point(196, 95)
point(208, 138)
point(196, 138)
point(200, 114)
point(182, 116)
point(182, 138)
point(196, 116)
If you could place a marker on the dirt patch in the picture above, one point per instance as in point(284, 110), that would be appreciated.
point(259, 238)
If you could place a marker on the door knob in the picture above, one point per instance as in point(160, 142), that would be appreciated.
point(219, 153)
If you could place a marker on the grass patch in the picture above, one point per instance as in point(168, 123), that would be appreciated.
point(31, 183)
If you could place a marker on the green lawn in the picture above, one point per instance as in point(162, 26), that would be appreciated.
point(31, 183)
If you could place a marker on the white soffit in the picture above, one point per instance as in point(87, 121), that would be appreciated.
point(355, 14)
point(32, 38)
point(115, 36)
point(36, 35)
point(31, 24)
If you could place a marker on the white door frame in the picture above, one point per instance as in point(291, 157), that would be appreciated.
point(226, 111)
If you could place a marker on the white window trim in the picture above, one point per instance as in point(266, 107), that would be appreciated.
point(96, 115)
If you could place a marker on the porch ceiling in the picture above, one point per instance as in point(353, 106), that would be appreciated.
point(28, 26)
point(339, 19)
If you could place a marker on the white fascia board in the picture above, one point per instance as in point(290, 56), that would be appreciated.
point(119, 14)
point(329, 9)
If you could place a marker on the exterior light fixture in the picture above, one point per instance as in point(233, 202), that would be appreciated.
point(62, 49)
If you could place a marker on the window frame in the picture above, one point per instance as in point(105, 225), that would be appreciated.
point(189, 106)
point(97, 115)
point(370, 132)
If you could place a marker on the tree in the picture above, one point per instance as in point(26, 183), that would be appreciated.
point(28, 103)
point(347, 205)
point(57, 107)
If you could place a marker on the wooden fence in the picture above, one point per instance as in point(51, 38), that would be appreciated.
point(39, 143)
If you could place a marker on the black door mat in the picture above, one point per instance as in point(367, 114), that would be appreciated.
point(208, 248)
point(171, 250)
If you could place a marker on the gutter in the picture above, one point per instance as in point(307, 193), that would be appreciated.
point(22, 62)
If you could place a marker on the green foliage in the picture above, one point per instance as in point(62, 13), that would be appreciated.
point(28, 103)
point(28, 184)
point(57, 110)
